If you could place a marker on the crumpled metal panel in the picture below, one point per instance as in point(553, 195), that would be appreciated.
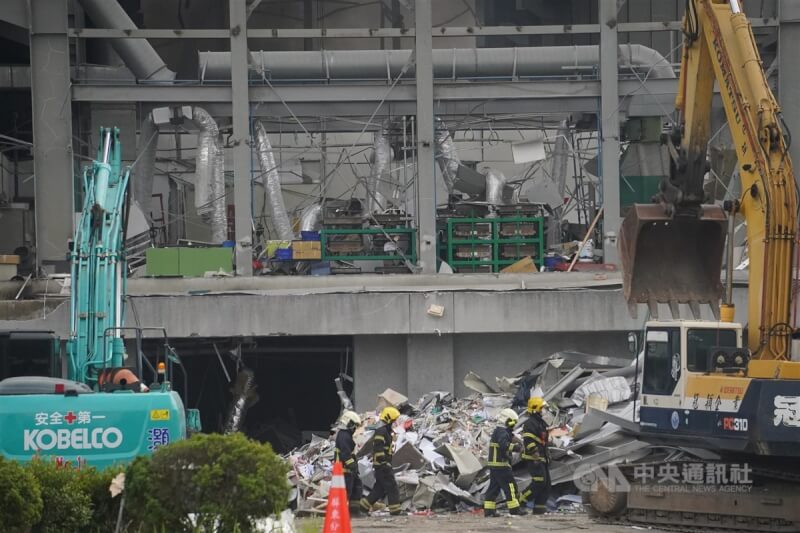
point(495, 184)
point(272, 184)
point(672, 260)
point(379, 172)
point(447, 157)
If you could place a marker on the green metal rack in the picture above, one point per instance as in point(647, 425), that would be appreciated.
point(411, 255)
point(489, 240)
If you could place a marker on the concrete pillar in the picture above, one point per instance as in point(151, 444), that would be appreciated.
point(426, 173)
point(379, 362)
point(609, 111)
point(240, 106)
point(788, 73)
point(430, 364)
point(52, 132)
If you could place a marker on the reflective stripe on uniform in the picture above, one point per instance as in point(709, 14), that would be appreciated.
point(394, 507)
point(489, 504)
point(529, 457)
point(513, 503)
point(498, 464)
point(533, 437)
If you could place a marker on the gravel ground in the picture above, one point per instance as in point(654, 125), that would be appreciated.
point(475, 522)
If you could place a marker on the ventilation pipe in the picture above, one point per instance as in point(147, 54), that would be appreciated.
point(381, 157)
point(495, 183)
point(447, 157)
point(209, 192)
point(145, 168)
point(272, 185)
point(137, 54)
point(311, 218)
point(447, 63)
point(559, 176)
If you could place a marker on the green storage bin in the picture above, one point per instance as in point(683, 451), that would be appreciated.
point(195, 262)
point(188, 262)
point(162, 262)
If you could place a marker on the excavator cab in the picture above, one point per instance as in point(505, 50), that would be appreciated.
point(672, 259)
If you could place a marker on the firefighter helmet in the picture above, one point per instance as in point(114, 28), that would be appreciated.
point(508, 417)
point(350, 419)
point(535, 404)
point(389, 414)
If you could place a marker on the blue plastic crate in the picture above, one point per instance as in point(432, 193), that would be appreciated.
point(309, 235)
point(283, 254)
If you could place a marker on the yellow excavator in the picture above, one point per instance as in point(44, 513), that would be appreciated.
point(729, 392)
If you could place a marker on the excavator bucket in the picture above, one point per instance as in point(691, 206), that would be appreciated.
point(672, 260)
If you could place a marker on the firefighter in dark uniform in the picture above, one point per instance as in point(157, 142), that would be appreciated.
point(535, 437)
point(345, 453)
point(385, 484)
point(500, 476)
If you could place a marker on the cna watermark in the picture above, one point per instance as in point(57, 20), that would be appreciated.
point(665, 477)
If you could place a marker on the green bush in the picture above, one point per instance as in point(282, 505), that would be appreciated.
point(20, 498)
point(66, 502)
point(226, 481)
point(104, 508)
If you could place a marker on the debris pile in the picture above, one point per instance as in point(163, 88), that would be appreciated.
point(441, 442)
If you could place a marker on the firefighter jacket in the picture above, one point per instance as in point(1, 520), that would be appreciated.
point(345, 450)
point(382, 445)
point(534, 438)
point(500, 448)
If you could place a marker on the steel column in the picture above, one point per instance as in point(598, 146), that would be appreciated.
point(609, 112)
point(52, 131)
point(788, 73)
point(426, 174)
point(240, 111)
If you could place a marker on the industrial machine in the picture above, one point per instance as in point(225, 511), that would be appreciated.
point(111, 407)
point(703, 386)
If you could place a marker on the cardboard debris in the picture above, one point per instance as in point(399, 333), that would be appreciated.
point(441, 442)
point(391, 398)
point(524, 265)
point(474, 382)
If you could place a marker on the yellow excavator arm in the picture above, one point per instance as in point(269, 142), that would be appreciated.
point(719, 46)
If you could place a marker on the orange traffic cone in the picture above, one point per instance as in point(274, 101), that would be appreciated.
point(337, 514)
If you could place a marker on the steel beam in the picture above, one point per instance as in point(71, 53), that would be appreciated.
point(363, 96)
point(426, 173)
point(609, 124)
point(240, 110)
point(386, 33)
point(52, 132)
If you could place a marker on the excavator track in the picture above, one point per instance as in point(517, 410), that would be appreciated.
point(771, 503)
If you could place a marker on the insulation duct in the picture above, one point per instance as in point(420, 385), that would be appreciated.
point(559, 176)
point(381, 158)
point(137, 54)
point(145, 168)
point(447, 63)
point(447, 157)
point(311, 218)
point(495, 184)
point(272, 185)
point(209, 192)
point(244, 397)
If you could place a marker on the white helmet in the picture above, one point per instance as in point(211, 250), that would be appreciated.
point(350, 419)
point(508, 417)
